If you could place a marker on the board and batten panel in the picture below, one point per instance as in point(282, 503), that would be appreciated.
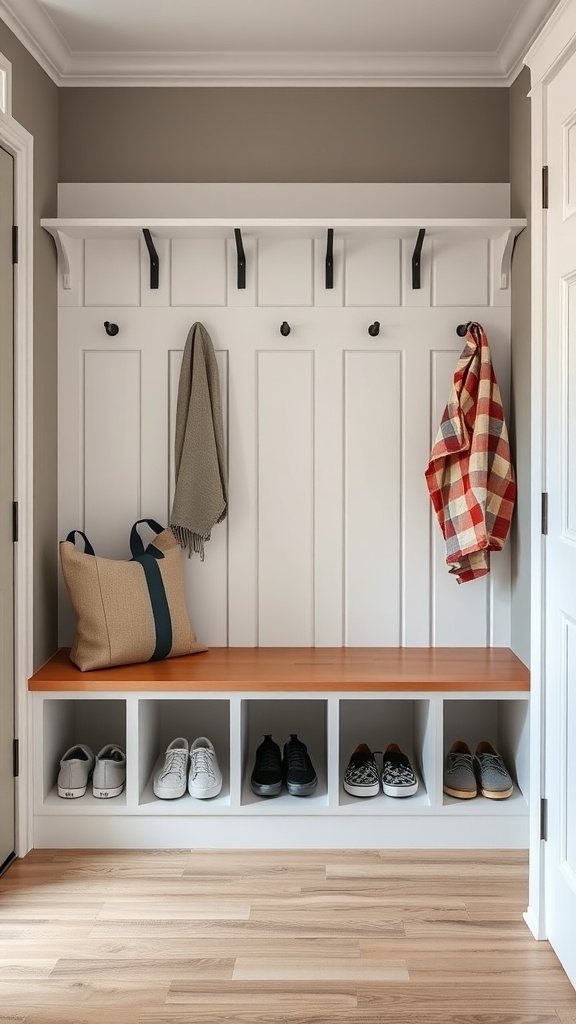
point(205, 581)
point(112, 470)
point(373, 272)
point(285, 499)
point(373, 498)
point(111, 272)
point(199, 268)
point(461, 273)
point(285, 272)
point(330, 538)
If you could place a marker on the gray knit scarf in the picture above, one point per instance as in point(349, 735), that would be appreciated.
point(201, 495)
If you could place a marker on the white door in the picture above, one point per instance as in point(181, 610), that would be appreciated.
point(560, 586)
point(6, 499)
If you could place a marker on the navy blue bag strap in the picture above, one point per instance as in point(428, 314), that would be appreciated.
point(148, 559)
point(88, 549)
point(136, 543)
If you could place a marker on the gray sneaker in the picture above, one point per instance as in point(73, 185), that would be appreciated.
point(493, 776)
point(459, 777)
point(76, 766)
point(205, 777)
point(170, 780)
point(109, 776)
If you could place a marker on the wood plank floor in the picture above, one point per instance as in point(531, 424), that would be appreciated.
point(254, 937)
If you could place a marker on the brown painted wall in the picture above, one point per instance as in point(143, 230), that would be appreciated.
point(35, 107)
point(295, 134)
point(520, 185)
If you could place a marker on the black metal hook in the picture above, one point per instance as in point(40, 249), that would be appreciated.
point(284, 329)
point(374, 329)
point(154, 261)
point(462, 330)
point(240, 259)
point(111, 329)
point(330, 258)
point(416, 258)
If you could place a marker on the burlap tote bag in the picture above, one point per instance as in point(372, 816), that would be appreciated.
point(128, 612)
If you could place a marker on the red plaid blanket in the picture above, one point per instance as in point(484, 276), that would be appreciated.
point(470, 475)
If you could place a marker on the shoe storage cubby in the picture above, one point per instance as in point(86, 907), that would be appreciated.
point(333, 700)
point(504, 724)
point(66, 722)
point(160, 722)
point(281, 718)
point(378, 723)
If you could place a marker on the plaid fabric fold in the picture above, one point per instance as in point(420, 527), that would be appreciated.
point(470, 475)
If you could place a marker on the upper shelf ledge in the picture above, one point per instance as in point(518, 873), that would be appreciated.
point(348, 227)
point(67, 230)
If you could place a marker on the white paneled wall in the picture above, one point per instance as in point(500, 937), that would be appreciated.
point(330, 538)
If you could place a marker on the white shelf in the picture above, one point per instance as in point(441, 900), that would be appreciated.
point(281, 227)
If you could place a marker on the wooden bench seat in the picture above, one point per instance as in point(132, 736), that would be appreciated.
point(296, 669)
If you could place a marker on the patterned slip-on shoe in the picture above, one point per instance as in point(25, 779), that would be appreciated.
point(398, 778)
point(361, 777)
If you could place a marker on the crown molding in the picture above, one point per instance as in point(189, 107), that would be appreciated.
point(35, 30)
point(555, 41)
point(520, 36)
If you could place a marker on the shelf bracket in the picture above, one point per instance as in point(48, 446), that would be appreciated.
point(62, 242)
point(330, 258)
point(240, 259)
point(506, 262)
point(416, 258)
point(154, 261)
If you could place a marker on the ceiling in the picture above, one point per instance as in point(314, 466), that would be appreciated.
point(275, 42)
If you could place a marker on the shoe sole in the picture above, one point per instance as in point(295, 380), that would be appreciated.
point(205, 794)
point(353, 790)
point(497, 794)
point(71, 794)
point(104, 794)
point(266, 789)
point(169, 794)
point(400, 791)
point(461, 794)
point(301, 788)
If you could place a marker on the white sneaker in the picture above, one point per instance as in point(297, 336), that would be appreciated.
point(109, 777)
point(170, 779)
point(205, 778)
point(76, 767)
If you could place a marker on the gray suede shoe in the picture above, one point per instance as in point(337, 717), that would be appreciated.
point(459, 777)
point(76, 767)
point(493, 776)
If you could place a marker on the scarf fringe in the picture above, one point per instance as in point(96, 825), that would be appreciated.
point(187, 539)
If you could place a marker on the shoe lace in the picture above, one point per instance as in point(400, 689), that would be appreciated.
point(459, 761)
point(296, 755)
point(175, 762)
point(201, 762)
point(493, 762)
point(268, 758)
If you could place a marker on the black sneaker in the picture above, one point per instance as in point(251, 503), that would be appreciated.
point(266, 778)
point(301, 779)
point(361, 777)
point(398, 778)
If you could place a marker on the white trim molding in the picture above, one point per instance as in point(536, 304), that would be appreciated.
point(19, 143)
point(33, 27)
point(5, 86)
point(555, 44)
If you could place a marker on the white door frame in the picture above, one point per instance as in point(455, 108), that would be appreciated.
point(554, 46)
point(19, 143)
